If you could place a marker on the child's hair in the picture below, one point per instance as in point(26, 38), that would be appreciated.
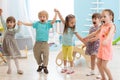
point(67, 19)
point(11, 19)
point(96, 15)
point(0, 9)
point(110, 13)
point(43, 13)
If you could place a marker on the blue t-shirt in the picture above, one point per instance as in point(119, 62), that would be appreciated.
point(42, 30)
point(68, 38)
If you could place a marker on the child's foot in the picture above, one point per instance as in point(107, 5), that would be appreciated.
point(70, 72)
point(39, 68)
point(45, 70)
point(98, 77)
point(20, 72)
point(9, 71)
point(91, 73)
point(64, 70)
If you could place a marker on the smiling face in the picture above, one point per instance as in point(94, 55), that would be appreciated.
point(10, 22)
point(72, 22)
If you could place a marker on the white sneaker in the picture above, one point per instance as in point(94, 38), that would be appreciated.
point(91, 73)
point(98, 76)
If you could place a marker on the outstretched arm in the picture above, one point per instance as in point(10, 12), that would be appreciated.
point(79, 37)
point(93, 34)
point(54, 19)
point(24, 23)
point(60, 16)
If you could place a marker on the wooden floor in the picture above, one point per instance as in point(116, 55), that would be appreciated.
point(29, 67)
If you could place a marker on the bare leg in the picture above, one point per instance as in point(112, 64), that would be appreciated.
point(93, 57)
point(107, 71)
point(100, 68)
point(9, 65)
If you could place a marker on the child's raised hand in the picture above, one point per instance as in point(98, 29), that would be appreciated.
point(19, 23)
point(55, 10)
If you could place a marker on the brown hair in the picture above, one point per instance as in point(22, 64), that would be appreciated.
point(43, 13)
point(67, 19)
point(11, 19)
point(96, 15)
point(110, 13)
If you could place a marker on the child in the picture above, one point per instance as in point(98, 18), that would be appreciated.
point(10, 47)
point(93, 45)
point(2, 26)
point(106, 33)
point(41, 46)
point(67, 41)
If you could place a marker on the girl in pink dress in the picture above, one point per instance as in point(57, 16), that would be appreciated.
point(105, 34)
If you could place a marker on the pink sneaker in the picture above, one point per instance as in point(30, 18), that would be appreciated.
point(70, 72)
point(64, 70)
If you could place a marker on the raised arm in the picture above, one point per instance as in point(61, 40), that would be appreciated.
point(60, 16)
point(2, 20)
point(54, 19)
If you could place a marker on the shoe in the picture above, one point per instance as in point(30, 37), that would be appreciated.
point(91, 73)
point(39, 68)
point(45, 70)
point(98, 77)
point(64, 70)
point(20, 72)
point(70, 72)
point(9, 71)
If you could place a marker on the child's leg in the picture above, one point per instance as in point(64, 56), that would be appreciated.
point(37, 52)
point(9, 65)
point(70, 58)
point(64, 55)
point(100, 68)
point(93, 58)
point(107, 71)
point(19, 71)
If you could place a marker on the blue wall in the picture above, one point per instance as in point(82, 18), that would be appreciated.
point(82, 9)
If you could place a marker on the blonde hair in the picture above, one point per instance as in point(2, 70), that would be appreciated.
point(43, 13)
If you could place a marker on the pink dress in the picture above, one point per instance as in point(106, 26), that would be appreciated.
point(105, 51)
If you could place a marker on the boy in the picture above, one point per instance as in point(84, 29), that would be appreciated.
point(41, 46)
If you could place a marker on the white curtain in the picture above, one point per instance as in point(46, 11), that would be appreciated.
point(18, 9)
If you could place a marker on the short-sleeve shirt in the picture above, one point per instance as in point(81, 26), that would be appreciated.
point(42, 30)
point(68, 38)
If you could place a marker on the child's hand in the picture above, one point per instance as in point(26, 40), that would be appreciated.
point(19, 23)
point(55, 10)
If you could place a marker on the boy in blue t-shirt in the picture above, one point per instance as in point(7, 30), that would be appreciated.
point(41, 46)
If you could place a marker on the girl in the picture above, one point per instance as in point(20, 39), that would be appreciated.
point(10, 47)
point(106, 33)
point(67, 42)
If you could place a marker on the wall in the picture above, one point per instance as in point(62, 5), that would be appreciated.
point(82, 9)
